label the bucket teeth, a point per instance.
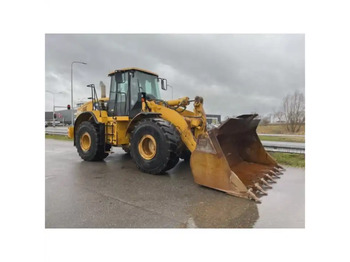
(277, 171)
(274, 174)
(259, 188)
(270, 178)
(265, 183)
(281, 168)
(253, 196)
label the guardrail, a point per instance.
(49, 132)
(63, 130)
(285, 147)
(284, 135)
(282, 149)
(270, 146)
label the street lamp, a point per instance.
(71, 84)
(53, 111)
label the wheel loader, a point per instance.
(157, 133)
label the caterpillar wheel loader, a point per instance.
(157, 133)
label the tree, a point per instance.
(294, 111)
(279, 116)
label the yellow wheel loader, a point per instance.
(157, 133)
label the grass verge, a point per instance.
(283, 138)
(289, 159)
(278, 129)
(58, 137)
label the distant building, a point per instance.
(277, 119)
(213, 119)
(62, 116)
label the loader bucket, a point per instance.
(232, 159)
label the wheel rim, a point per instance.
(85, 141)
(147, 147)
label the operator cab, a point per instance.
(127, 86)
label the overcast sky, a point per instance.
(235, 74)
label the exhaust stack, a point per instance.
(103, 89)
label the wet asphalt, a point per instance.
(115, 194)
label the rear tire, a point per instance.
(155, 145)
(87, 143)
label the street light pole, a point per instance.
(53, 112)
(71, 85)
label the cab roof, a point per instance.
(131, 69)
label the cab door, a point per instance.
(119, 99)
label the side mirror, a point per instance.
(164, 85)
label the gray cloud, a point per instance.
(234, 73)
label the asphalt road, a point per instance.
(115, 194)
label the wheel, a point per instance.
(155, 145)
(87, 143)
(126, 148)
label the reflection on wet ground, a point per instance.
(114, 193)
(223, 214)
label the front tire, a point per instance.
(155, 145)
(87, 143)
